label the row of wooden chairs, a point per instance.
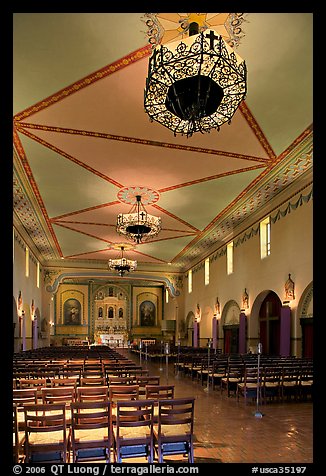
(92, 433)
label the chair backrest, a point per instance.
(37, 383)
(134, 413)
(64, 382)
(119, 380)
(91, 415)
(53, 395)
(92, 381)
(123, 392)
(24, 395)
(159, 392)
(92, 394)
(46, 419)
(177, 412)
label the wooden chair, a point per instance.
(64, 382)
(92, 394)
(218, 372)
(92, 381)
(143, 381)
(159, 392)
(173, 433)
(290, 382)
(18, 438)
(36, 383)
(91, 431)
(54, 395)
(234, 375)
(116, 380)
(271, 382)
(133, 432)
(248, 387)
(46, 439)
(19, 398)
(121, 392)
(306, 383)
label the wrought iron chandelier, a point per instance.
(138, 225)
(196, 84)
(122, 265)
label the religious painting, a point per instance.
(72, 312)
(147, 313)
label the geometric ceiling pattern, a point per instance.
(83, 142)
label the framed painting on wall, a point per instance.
(72, 312)
(147, 313)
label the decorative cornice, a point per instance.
(52, 288)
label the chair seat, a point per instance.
(133, 432)
(46, 438)
(173, 430)
(91, 435)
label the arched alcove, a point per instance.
(305, 313)
(189, 334)
(230, 321)
(265, 322)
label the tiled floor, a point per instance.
(227, 431)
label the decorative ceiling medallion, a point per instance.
(165, 27)
(128, 195)
(124, 245)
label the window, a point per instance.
(229, 258)
(206, 271)
(166, 295)
(265, 238)
(190, 281)
(26, 262)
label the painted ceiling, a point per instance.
(84, 146)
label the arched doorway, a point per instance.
(269, 324)
(231, 320)
(305, 308)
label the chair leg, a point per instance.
(160, 454)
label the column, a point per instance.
(214, 332)
(35, 341)
(196, 334)
(242, 333)
(24, 330)
(285, 331)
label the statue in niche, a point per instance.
(289, 289)
(120, 312)
(245, 300)
(217, 308)
(110, 313)
(198, 313)
(100, 312)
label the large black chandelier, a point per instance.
(196, 84)
(138, 225)
(122, 265)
